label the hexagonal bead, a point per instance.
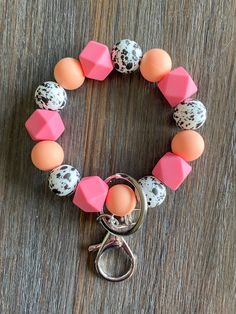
(45, 125)
(90, 194)
(171, 170)
(177, 86)
(96, 61)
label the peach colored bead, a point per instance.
(47, 155)
(188, 144)
(121, 200)
(155, 64)
(69, 74)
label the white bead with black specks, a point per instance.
(50, 96)
(126, 56)
(154, 190)
(190, 115)
(63, 180)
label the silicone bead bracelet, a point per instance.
(120, 201)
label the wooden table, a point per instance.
(186, 248)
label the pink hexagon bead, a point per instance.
(177, 86)
(90, 194)
(96, 61)
(171, 170)
(45, 125)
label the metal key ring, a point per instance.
(143, 203)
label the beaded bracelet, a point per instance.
(120, 201)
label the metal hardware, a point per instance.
(118, 227)
(140, 198)
(112, 241)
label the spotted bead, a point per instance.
(190, 114)
(126, 56)
(63, 180)
(154, 190)
(51, 96)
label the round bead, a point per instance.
(47, 155)
(63, 180)
(190, 114)
(155, 64)
(154, 191)
(126, 56)
(69, 74)
(121, 200)
(188, 144)
(51, 96)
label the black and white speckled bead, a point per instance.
(63, 180)
(190, 115)
(126, 56)
(154, 190)
(51, 96)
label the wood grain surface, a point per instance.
(187, 247)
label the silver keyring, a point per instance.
(143, 203)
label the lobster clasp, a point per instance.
(112, 241)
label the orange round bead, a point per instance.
(121, 200)
(69, 74)
(188, 144)
(47, 155)
(155, 64)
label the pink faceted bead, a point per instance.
(45, 125)
(177, 86)
(90, 194)
(96, 61)
(171, 170)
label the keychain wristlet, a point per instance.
(120, 201)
